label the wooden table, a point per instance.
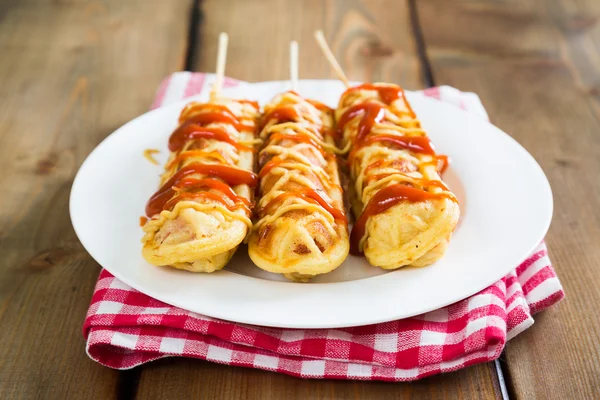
(73, 71)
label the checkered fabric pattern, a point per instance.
(125, 328)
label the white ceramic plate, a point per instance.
(506, 208)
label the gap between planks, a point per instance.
(426, 70)
(195, 19)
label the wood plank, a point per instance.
(535, 65)
(373, 41)
(70, 73)
(194, 379)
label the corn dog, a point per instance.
(301, 227)
(405, 213)
(202, 211)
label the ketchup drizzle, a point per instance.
(288, 113)
(191, 131)
(230, 175)
(311, 196)
(383, 200)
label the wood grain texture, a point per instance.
(373, 41)
(194, 379)
(70, 73)
(536, 66)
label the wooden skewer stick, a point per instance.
(294, 65)
(221, 61)
(331, 58)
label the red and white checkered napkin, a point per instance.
(125, 328)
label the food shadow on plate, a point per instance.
(353, 268)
